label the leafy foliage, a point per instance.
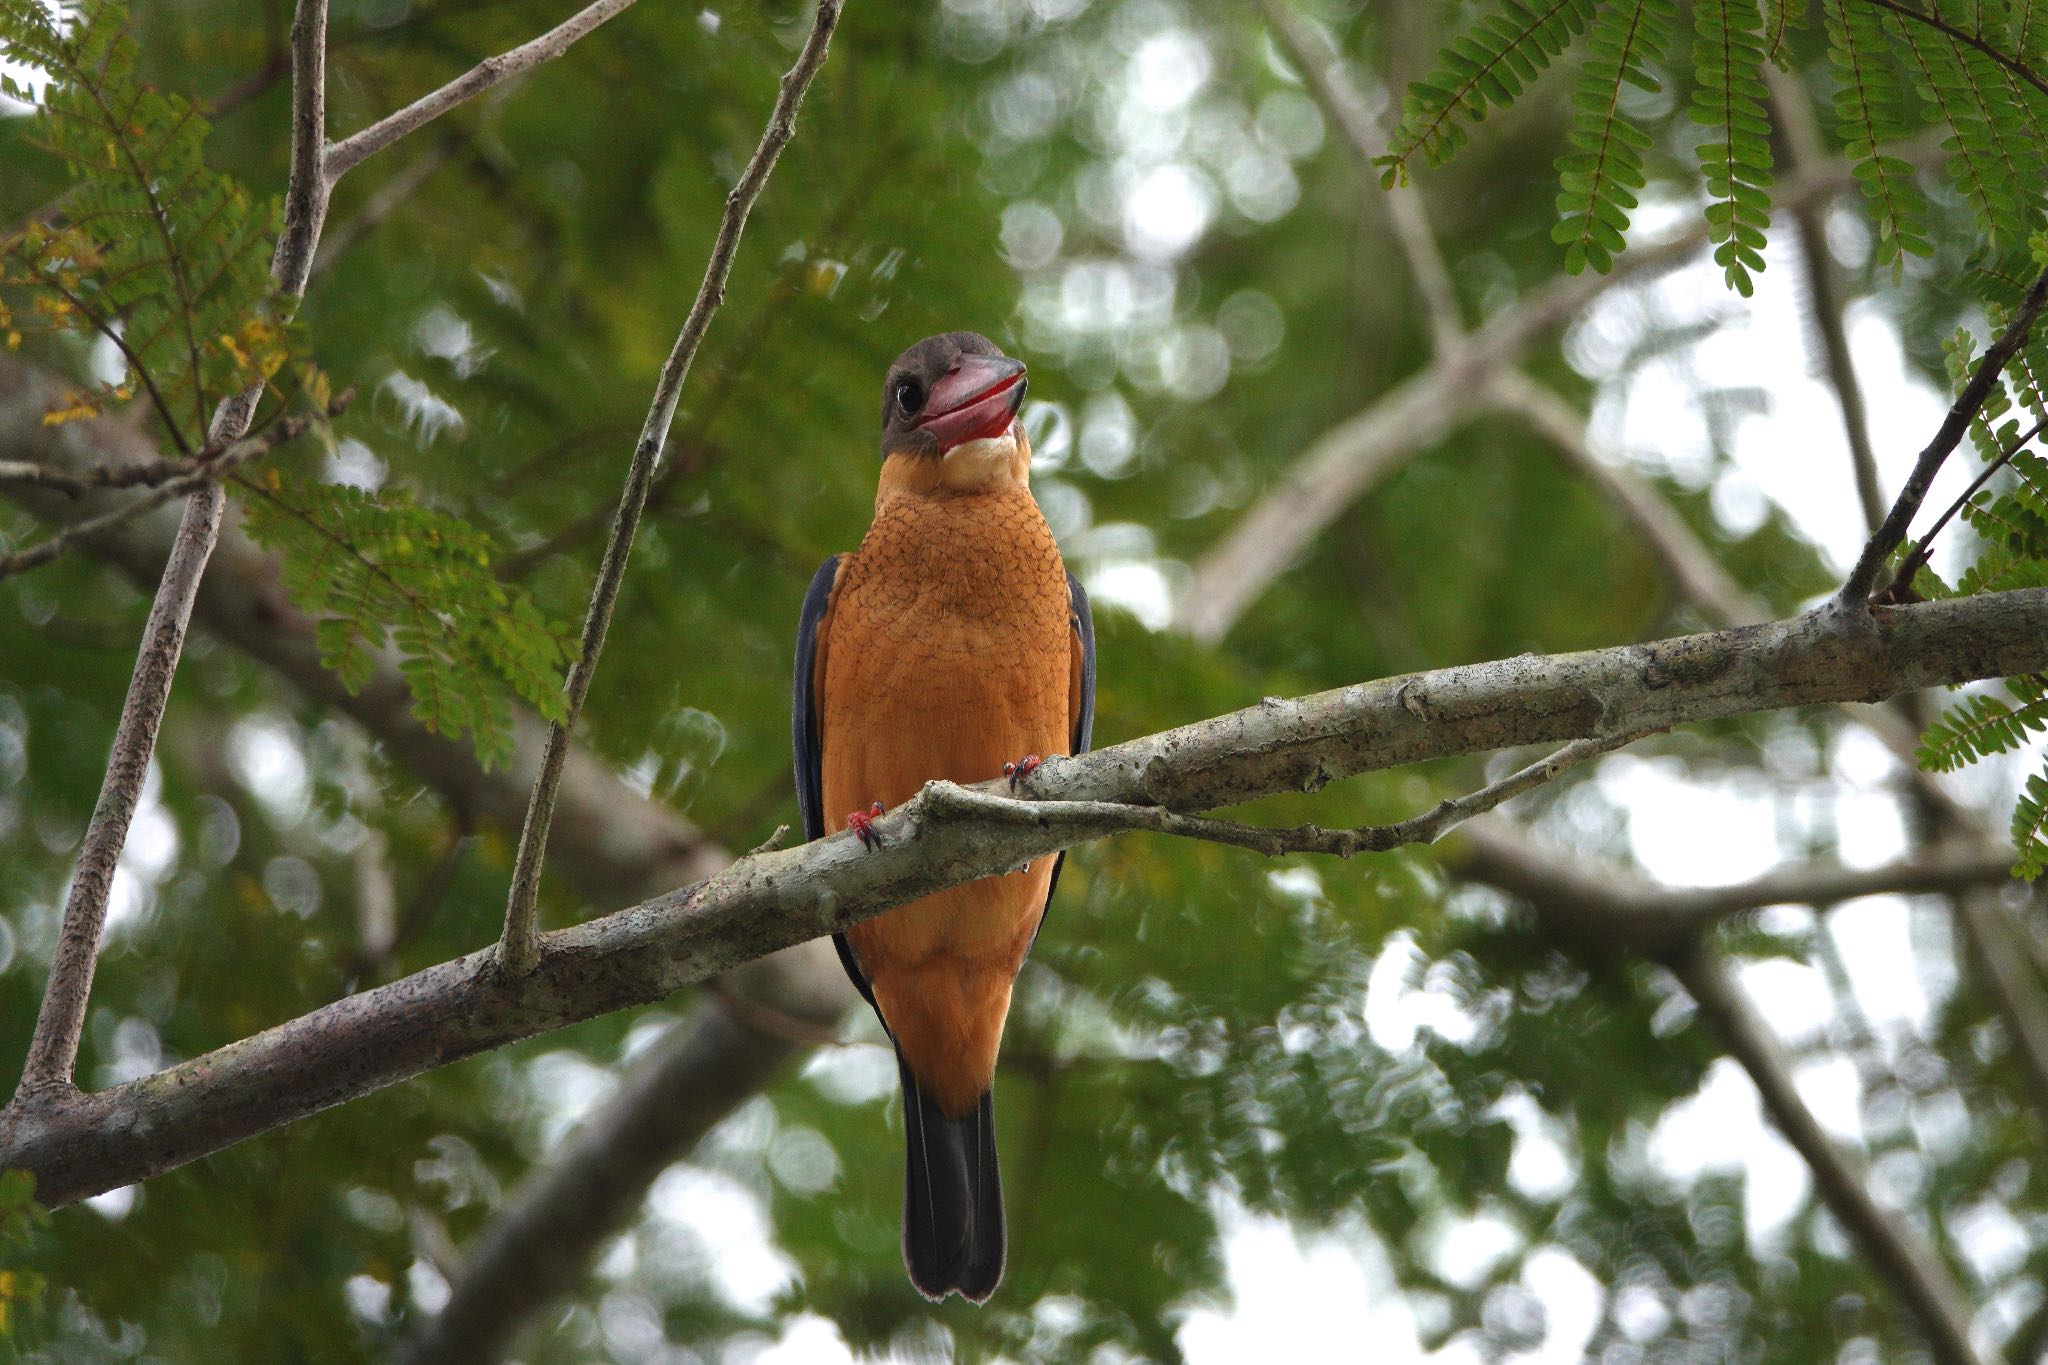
(1983, 726)
(1994, 144)
(1976, 69)
(161, 256)
(1728, 56)
(22, 1221)
(2010, 518)
(1599, 180)
(1868, 100)
(370, 567)
(1485, 68)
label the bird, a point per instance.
(952, 644)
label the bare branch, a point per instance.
(615, 846)
(1417, 413)
(1697, 575)
(381, 204)
(352, 150)
(1994, 942)
(1608, 906)
(122, 474)
(536, 1248)
(53, 1051)
(1323, 66)
(1929, 1291)
(194, 476)
(1804, 146)
(1892, 532)
(516, 948)
(1901, 588)
(78, 1145)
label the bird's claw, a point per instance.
(862, 823)
(1021, 770)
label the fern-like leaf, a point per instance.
(1780, 18)
(167, 259)
(1599, 178)
(1991, 156)
(1486, 68)
(369, 567)
(2029, 820)
(1978, 727)
(2027, 36)
(1728, 55)
(1867, 108)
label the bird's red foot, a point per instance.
(862, 823)
(1022, 769)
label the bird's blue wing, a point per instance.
(808, 737)
(1083, 622)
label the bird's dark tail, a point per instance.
(953, 1236)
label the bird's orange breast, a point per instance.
(948, 655)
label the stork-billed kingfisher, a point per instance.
(952, 644)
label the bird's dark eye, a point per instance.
(909, 395)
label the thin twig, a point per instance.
(1104, 817)
(1901, 587)
(53, 1051)
(113, 334)
(1889, 535)
(192, 477)
(352, 150)
(138, 474)
(517, 951)
(1930, 1293)
(1804, 147)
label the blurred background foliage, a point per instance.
(1141, 199)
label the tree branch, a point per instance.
(2000, 957)
(1697, 576)
(53, 1051)
(1322, 65)
(193, 476)
(537, 1247)
(1803, 146)
(516, 948)
(1892, 532)
(1929, 1291)
(1414, 415)
(345, 155)
(78, 1145)
(1606, 906)
(1923, 549)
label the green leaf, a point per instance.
(1868, 100)
(1599, 178)
(154, 251)
(1486, 68)
(375, 569)
(1728, 54)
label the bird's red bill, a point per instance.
(977, 398)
